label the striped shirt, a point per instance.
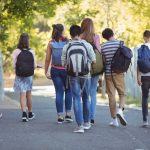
(108, 50)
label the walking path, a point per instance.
(44, 133)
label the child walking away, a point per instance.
(88, 34)
(77, 57)
(143, 74)
(24, 65)
(114, 80)
(58, 73)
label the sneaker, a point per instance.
(24, 117)
(114, 123)
(121, 117)
(92, 122)
(145, 124)
(60, 119)
(87, 126)
(68, 119)
(79, 129)
(1, 115)
(31, 115)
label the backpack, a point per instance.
(122, 59)
(78, 63)
(98, 67)
(144, 59)
(57, 48)
(25, 64)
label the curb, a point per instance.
(9, 103)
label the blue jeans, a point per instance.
(59, 77)
(93, 92)
(76, 85)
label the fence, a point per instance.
(1, 79)
(132, 88)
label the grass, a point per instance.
(130, 101)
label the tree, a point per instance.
(19, 16)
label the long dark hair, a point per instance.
(23, 41)
(57, 32)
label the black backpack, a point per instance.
(25, 63)
(122, 59)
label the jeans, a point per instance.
(77, 85)
(93, 91)
(59, 77)
(145, 94)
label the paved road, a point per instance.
(44, 133)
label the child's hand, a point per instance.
(48, 76)
(39, 66)
(139, 80)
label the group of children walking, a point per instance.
(70, 63)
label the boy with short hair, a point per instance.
(114, 81)
(79, 82)
(143, 79)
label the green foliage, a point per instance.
(29, 16)
(128, 18)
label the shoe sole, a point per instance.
(60, 122)
(32, 118)
(122, 121)
(25, 120)
(145, 126)
(113, 125)
(68, 120)
(87, 128)
(78, 131)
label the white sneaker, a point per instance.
(114, 123)
(145, 124)
(1, 115)
(87, 126)
(121, 117)
(79, 129)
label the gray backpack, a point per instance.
(78, 63)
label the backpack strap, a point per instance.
(121, 43)
(25, 49)
(84, 84)
(70, 44)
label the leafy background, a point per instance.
(128, 18)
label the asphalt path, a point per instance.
(43, 133)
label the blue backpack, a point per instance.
(57, 48)
(144, 59)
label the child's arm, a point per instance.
(48, 59)
(14, 57)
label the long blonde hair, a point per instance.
(87, 30)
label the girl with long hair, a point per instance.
(23, 83)
(58, 73)
(88, 34)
